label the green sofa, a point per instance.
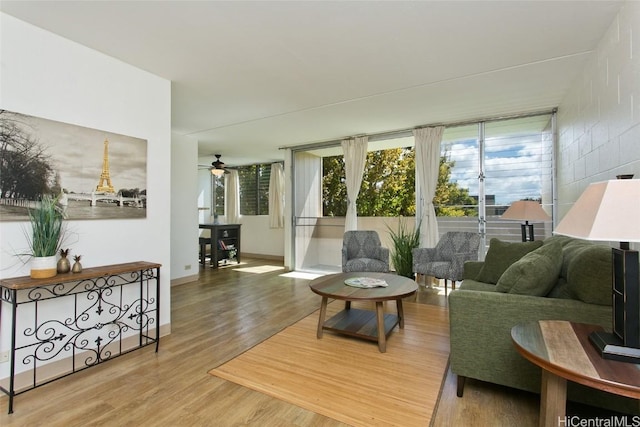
(558, 278)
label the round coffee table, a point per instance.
(367, 324)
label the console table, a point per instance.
(72, 321)
(224, 237)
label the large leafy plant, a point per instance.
(404, 241)
(47, 223)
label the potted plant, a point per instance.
(47, 230)
(404, 241)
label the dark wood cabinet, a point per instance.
(224, 241)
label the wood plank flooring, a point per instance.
(349, 379)
(214, 319)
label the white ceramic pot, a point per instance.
(43, 267)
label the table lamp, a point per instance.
(526, 210)
(609, 211)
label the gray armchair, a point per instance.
(446, 260)
(362, 251)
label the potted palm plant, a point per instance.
(404, 241)
(47, 230)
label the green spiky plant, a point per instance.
(47, 223)
(404, 241)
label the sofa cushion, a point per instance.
(570, 252)
(473, 285)
(561, 290)
(501, 255)
(589, 274)
(535, 273)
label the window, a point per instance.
(512, 162)
(387, 189)
(217, 195)
(518, 159)
(254, 189)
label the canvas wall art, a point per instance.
(95, 174)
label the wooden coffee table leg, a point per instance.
(323, 313)
(382, 338)
(553, 399)
(400, 313)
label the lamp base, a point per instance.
(611, 347)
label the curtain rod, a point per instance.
(401, 133)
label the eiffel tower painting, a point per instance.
(118, 191)
(104, 176)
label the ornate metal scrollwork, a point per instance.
(92, 320)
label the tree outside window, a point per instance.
(388, 186)
(254, 189)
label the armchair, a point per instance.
(362, 251)
(446, 260)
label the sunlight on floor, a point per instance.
(259, 269)
(436, 290)
(302, 275)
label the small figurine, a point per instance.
(77, 267)
(63, 266)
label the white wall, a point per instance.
(599, 121)
(47, 76)
(259, 238)
(184, 212)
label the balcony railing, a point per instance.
(319, 239)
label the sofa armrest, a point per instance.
(472, 269)
(480, 333)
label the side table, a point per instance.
(563, 351)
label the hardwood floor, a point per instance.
(214, 319)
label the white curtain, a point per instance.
(232, 187)
(355, 156)
(276, 196)
(427, 142)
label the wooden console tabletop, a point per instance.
(26, 282)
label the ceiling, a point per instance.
(251, 77)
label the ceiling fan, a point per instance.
(218, 168)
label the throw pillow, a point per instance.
(589, 275)
(561, 290)
(570, 252)
(535, 273)
(501, 255)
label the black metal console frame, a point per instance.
(107, 303)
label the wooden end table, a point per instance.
(563, 351)
(367, 324)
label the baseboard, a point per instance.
(278, 258)
(185, 279)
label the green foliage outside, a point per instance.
(388, 187)
(450, 199)
(254, 189)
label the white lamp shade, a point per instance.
(526, 210)
(606, 211)
(217, 172)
